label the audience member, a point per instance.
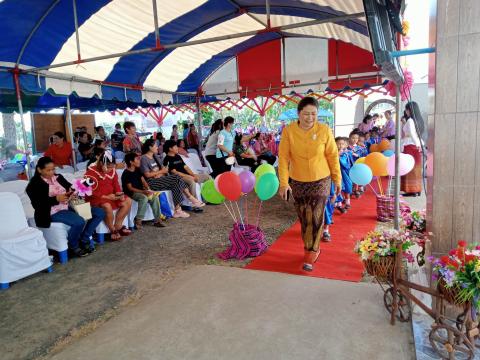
(131, 143)
(60, 151)
(117, 138)
(135, 186)
(107, 194)
(50, 194)
(211, 148)
(85, 147)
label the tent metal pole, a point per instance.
(155, 21)
(20, 110)
(267, 10)
(284, 57)
(199, 121)
(397, 160)
(77, 36)
(333, 19)
(70, 131)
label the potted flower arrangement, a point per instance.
(458, 274)
(415, 220)
(378, 248)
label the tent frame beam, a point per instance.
(333, 19)
(242, 10)
(77, 36)
(155, 21)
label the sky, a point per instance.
(417, 13)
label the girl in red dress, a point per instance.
(107, 194)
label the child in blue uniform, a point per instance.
(345, 165)
(374, 138)
(328, 217)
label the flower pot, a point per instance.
(449, 293)
(382, 268)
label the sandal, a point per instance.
(138, 223)
(115, 236)
(159, 224)
(124, 231)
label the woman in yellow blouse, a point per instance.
(308, 163)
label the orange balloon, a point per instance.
(360, 160)
(384, 145)
(377, 162)
(374, 148)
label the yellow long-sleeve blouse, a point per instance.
(308, 155)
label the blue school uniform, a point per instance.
(345, 165)
(362, 151)
(330, 207)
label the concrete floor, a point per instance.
(213, 312)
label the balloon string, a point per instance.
(373, 189)
(241, 219)
(246, 209)
(233, 211)
(229, 211)
(258, 215)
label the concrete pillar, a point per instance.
(453, 200)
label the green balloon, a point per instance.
(264, 169)
(267, 186)
(210, 194)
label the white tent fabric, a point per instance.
(23, 250)
(117, 27)
(223, 80)
(182, 61)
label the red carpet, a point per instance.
(337, 259)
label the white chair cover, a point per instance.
(18, 188)
(67, 169)
(23, 250)
(102, 228)
(82, 166)
(56, 236)
(194, 163)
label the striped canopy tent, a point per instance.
(177, 52)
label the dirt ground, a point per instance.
(43, 312)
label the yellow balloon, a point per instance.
(360, 160)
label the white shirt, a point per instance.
(410, 136)
(211, 146)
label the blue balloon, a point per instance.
(361, 174)
(388, 153)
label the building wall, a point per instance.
(454, 129)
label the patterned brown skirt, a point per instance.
(310, 199)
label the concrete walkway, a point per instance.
(213, 312)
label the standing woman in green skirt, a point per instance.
(308, 163)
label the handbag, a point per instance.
(82, 208)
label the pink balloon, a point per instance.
(247, 180)
(407, 163)
(216, 181)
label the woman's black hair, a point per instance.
(238, 139)
(416, 115)
(217, 125)
(127, 125)
(130, 158)
(168, 145)
(307, 100)
(42, 163)
(228, 120)
(159, 136)
(179, 141)
(366, 118)
(147, 145)
(98, 142)
(59, 134)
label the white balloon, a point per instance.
(407, 163)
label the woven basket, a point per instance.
(449, 293)
(382, 268)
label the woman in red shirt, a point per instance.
(60, 151)
(107, 194)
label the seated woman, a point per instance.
(49, 194)
(159, 180)
(135, 186)
(243, 155)
(263, 151)
(182, 149)
(60, 151)
(106, 193)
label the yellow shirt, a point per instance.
(308, 155)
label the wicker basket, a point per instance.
(449, 293)
(382, 268)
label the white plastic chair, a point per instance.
(23, 250)
(67, 169)
(194, 163)
(18, 188)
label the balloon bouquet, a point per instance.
(380, 162)
(246, 240)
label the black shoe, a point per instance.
(414, 194)
(90, 249)
(197, 210)
(326, 236)
(78, 252)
